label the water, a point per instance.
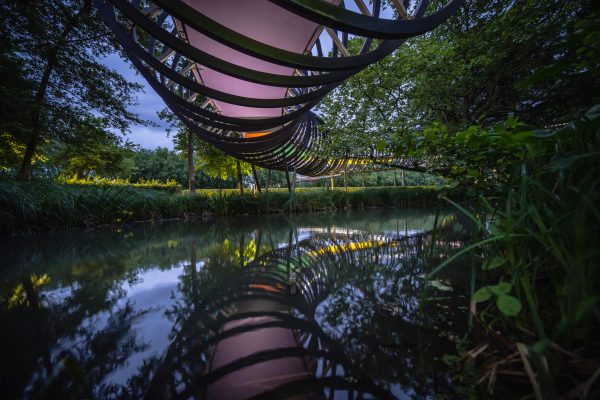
(323, 306)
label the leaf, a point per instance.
(380, 146)
(494, 263)
(474, 173)
(440, 285)
(450, 359)
(500, 288)
(593, 113)
(509, 305)
(544, 134)
(471, 192)
(483, 294)
(521, 136)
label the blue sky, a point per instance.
(149, 103)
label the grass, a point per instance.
(170, 186)
(535, 301)
(38, 206)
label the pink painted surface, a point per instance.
(262, 21)
(260, 377)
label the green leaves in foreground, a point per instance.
(507, 304)
(483, 294)
(494, 263)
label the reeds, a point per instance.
(36, 206)
(537, 256)
(170, 185)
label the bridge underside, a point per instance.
(243, 75)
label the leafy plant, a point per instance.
(537, 245)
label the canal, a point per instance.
(306, 306)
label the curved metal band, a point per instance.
(158, 66)
(295, 139)
(210, 118)
(254, 48)
(334, 17)
(225, 67)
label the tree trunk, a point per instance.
(287, 177)
(242, 247)
(190, 160)
(194, 274)
(256, 180)
(33, 299)
(239, 176)
(258, 244)
(268, 181)
(24, 173)
(332, 185)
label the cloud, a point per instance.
(149, 137)
(149, 103)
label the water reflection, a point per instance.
(309, 307)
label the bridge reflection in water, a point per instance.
(294, 309)
(260, 338)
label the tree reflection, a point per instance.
(319, 309)
(350, 303)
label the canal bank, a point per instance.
(43, 206)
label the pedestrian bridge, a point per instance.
(243, 75)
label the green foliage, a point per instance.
(209, 159)
(11, 154)
(92, 151)
(479, 156)
(483, 294)
(470, 73)
(51, 71)
(170, 186)
(26, 207)
(217, 164)
(16, 97)
(539, 241)
(161, 163)
(379, 178)
(508, 305)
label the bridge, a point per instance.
(243, 75)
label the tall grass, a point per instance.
(537, 306)
(170, 186)
(35, 206)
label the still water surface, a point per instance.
(316, 306)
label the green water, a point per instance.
(139, 311)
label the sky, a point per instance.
(149, 103)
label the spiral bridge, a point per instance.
(243, 75)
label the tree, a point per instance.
(474, 70)
(93, 151)
(209, 159)
(217, 164)
(184, 142)
(55, 46)
(161, 163)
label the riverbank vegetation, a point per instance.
(40, 206)
(533, 259)
(501, 102)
